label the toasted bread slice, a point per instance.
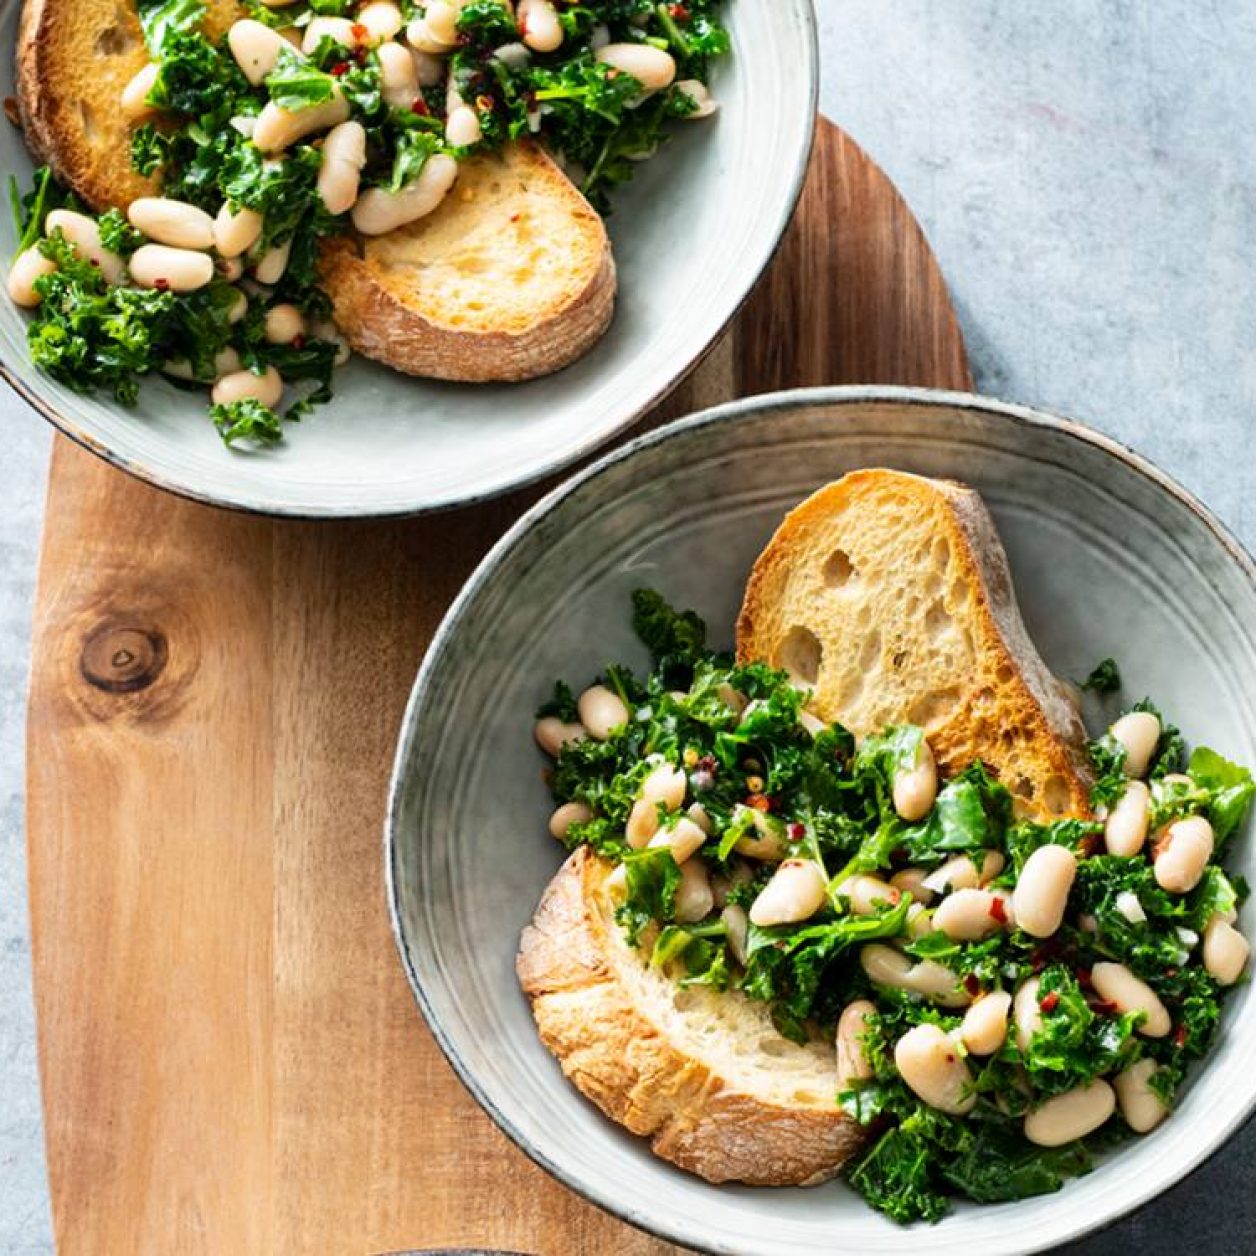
(511, 278)
(705, 1076)
(74, 57)
(889, 594)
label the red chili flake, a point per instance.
(514, 217)
(679, 12)
(1049, 1002)
(298, 341)
(1084, 979)
(1170, 972)
(484, 104)
(419, 105)
(1090, 845)
(1102, 1007)
(161, 284)
(522, 25)
(707, 763)
(971, 984)
(758, 802)
(359, 32)
(1179, 1037)
(796, 832)
(997, 910)
(341, 67)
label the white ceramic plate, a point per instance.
(1109, 558)
(691, 235)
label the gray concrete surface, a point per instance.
(1085, 173)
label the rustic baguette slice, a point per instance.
(705, 1076)
(889, 594)
(74, 57)
(511, 278)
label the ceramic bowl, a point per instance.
(691, 234)
(1109, 558)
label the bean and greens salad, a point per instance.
(1005, 997)
(306, 119)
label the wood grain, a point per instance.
(231, 1059)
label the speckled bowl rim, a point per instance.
(746, 409)
(19, 376)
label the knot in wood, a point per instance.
(120, 658)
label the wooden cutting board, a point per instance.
(231, 1058)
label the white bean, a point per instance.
(256, 48)
(29, 265)
(1226, 951)
(919, 921)
(601, 711)
(83, 233)
(653, 68)
(441, 22)
(539, 25)
(890, 967)
(516, 56)
(399, 76)
(698, 814)
(568, 814)
(930, 1063)
(968, 915)
(1117, 985)
(1071, 1115)
(236, 230)
(768, 843)
(912, 881)
(736, 929)
(1141, 1107)
(135, 104)
(1131, 907)
(270, 266)
(344, 155)
(852, 1060)
(984, 1029)
(699, 93)
(682, 838)
(325, 329)
(916, 788)
(232, 269)
(795, 892)
(378, 211)
(1042, 890)
(173, 270)
(172, 222)
(867, 894)
(225, 362)
(421, 39)
(283, 323)
(1125, 829)
(552, 734)
(694, 900)
(462, 127)
(643, 823)
(277, 128)
(1027, 1012)
(338, 28)
(382, 20)
(429, 68)
(665, 784)
(244, 385)
(961, 873)
(1138, 732)
(1182, 854)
